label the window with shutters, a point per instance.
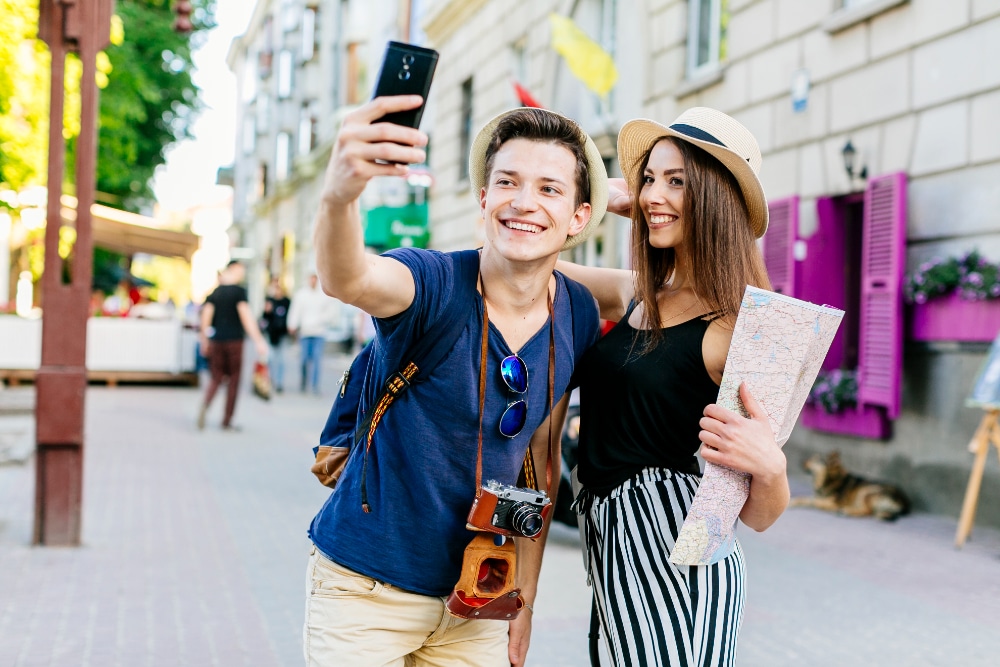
(853, 261)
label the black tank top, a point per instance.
(641, 410)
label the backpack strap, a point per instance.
(427, 351)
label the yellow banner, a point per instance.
(586, 59)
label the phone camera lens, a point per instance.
(408, 59)
(404, 75)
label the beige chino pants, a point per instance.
(356, 621)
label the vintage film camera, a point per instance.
(510, 510)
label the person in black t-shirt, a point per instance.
(225, 319)
(275, 325)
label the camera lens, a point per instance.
(408, 59)
(404, 75)
(526, 520)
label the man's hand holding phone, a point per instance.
(381, 138)
(366, 148)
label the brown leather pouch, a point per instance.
(503, 608)
(486, 588)
(329, 465)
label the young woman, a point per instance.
(648, 388)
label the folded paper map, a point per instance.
(778, 346)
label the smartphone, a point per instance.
(406, 70)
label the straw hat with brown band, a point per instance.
(714, 132)
(595, 166)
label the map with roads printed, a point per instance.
(778, 347)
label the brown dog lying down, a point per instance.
(837, 490)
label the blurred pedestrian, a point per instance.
(310, 315)
(275, 325)
(225, 320)
(648, 387)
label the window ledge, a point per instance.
(699, 82)
(847, 17)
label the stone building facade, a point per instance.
(909, 84)
(300, 66)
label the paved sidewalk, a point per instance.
(194, 554)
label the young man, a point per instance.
(309, 316)
(378, 579)
(225, 319)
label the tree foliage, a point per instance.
(24, 96)
(147, 102)
(150, 101)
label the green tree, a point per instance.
(24, 101)
(150, 101)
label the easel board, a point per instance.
(986, 435)
(986, 392)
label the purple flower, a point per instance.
(921, 298)
(975, 278)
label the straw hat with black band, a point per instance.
(714, 132)
(595, 167)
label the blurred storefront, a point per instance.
(152, 344)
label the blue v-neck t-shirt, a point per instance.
(421, 477)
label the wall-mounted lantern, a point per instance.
(850, 154)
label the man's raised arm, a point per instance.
(364, 149)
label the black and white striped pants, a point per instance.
(654, 612)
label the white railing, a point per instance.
(113, 344)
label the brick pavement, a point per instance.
(194, 552)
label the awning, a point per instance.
(130, 233)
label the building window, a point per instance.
(260, 187)
(310, 35)
(249, 87)
(282, 147)
(289, 15)
(263, 114)
(609, 27)
(249, 134)
(307, 128)
(853, 261)
(852, 12)
(706, 36)
(266, 56)
(519, 61)
(285, 63)
(465, 130)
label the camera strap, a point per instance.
(528, 467)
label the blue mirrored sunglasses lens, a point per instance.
(513, 418)
(514, 373)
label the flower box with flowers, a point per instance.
(957, 299)
(832, 407)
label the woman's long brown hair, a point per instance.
(720, 248)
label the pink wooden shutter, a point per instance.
(779, 241)
(880, 354)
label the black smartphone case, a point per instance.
(406, 70)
